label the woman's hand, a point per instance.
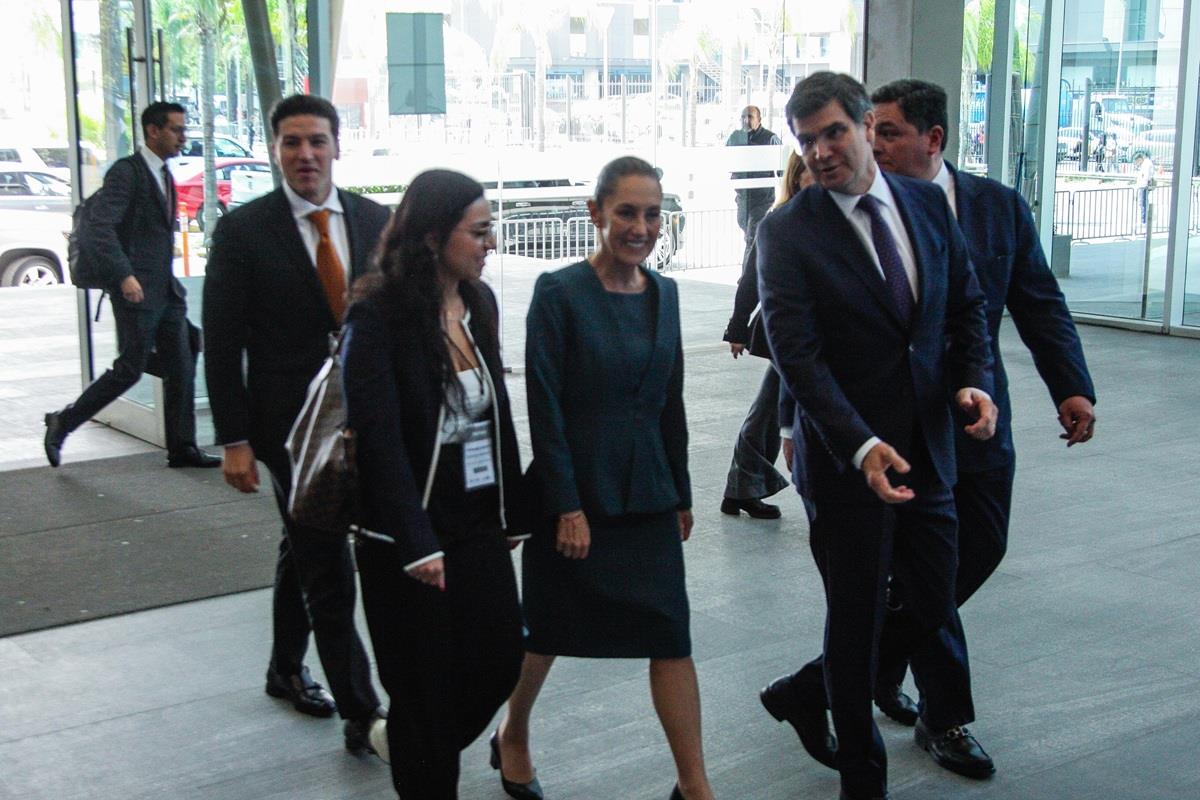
(574, 535)
(431, 573)
(685, 524)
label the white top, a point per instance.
(309, 234)
(473, 406)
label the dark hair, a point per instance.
(922, 103)
(156, 114)
(433, 204)
(820, 89)
(297, 104)
(619, 168)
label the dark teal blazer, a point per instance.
(604, 440)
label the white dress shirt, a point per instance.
(945, 182)
(156, 165)
(301, 208)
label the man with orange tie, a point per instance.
(275, 288)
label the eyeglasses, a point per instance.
(830, 135)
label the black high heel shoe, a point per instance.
(676, 794)
(519, 791)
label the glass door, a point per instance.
(108, 81)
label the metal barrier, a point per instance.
(1116, 212)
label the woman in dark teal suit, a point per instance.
(603, 577)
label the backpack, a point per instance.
(85, 272)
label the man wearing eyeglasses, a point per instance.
(871, 309)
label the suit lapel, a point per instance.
(164, 212)
(922, 242)
(291, 246)
(854, 255)
(353, 235)
(658, 370)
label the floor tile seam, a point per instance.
(153, 514)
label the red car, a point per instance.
(191, 190)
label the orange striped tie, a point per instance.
(329, 267)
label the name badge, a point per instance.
(479, 468)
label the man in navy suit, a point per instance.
(910, 135)
(871, 309)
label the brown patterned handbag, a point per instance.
(325, 490)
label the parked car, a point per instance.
(1159, 144)
(25, 157)
(191, 158)
(33, 247)
(191, 190)
(1070, 142)
(556, 224)
(29, 190)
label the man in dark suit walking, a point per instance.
(910, 135)
(129, 234)
(276, 287)
(871, 309)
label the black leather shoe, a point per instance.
(305, 694)
(755, 508)
(192, 456)
(357, 733)
(844, 795)
(676, 794)
(892, 701)
(807, 718)
(520, 791)
(956, 750)
(56, 434)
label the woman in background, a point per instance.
(439, 472)
(752, 474)
(603, 576)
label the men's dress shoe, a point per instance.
(56, 434)
(193, 456)
(305, 694)
(892, 701)
(676, 794)
(844, 795)
(809, 720)
(956, 750)
(755, 508)
(357, 734)
(520, 791)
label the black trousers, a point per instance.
(752, 473)
(315, 591)
(448, 660)
(857, 547)
(983, 501)
(141, 328)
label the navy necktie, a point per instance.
(889, 259)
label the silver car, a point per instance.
(33, 247)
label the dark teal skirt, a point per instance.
(627, 599)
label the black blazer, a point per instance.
(843, 354)
(263, 302)
(128, 231)
(598, 444)
(392, 404)
(1013, 272)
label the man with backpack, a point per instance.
(124, 243)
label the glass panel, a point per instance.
(1116, 141)
(540, 94)
(1191, 278)
(104, 105)
(978, 37)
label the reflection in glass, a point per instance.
(1116, 120)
